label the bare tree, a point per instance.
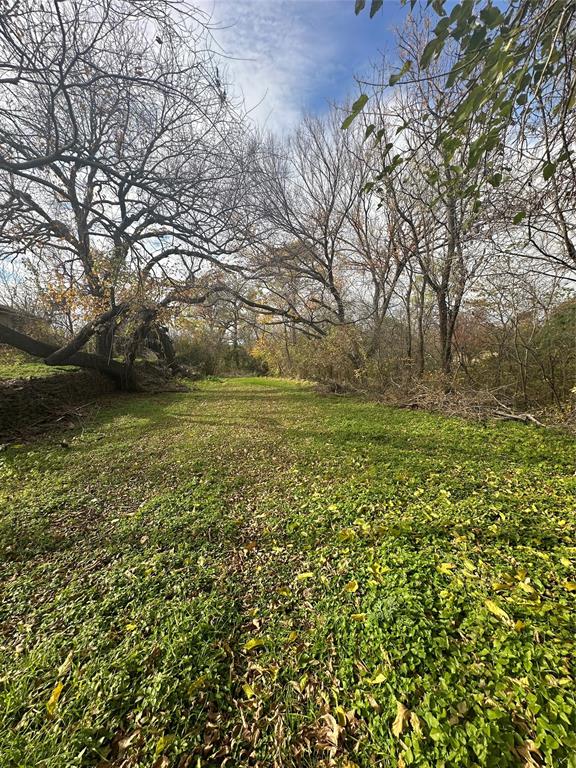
(157, 187)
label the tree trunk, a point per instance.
(445, 327)
(47, 352)
(420, 325)
(105, 342)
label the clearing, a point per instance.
(251, 574)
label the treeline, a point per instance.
(156, 215)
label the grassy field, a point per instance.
(251, 574)
(18, 365)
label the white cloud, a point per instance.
(277, 54)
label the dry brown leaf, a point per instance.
(328, 733)
(402, 717)
(526, 752)
(415, 723)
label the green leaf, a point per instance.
(375, 7)
(431, 50)
(495, 179)
(357, 107)
(548, 170)
(438, 6)
(399, 75)
(519, 217)
(491, 16)
(360, 5)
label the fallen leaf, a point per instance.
(402, 717)
(249, 692)
(569, 585)
(330, 733)
(380, 678)
(52, 702)
(415, 723)
(497, 611)
(352, 586)
(527, 588)
(255, 642)
(341, 716)
(163, 743)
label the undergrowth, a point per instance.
(250, 574)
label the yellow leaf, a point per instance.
(359, 616)
(303, 682)
(341, 716)
(198, 683)
(497, 611)
(498, 586)
(284, 591)
(519, 625)
(527, 588)
(379, 678)
(163, 743)
(352, 586)
(52, 702)
(569, 585)
(292, 636)
(249, 692)
(446, 567)
(415, 723)
(565, 561)
(305, 575)
(402, 717)
(130, 627)
(255, 642)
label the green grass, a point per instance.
(18, 365)
(251, 574)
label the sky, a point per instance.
(287, 57)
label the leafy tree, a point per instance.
(505, 58)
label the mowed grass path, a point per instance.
(251, 574)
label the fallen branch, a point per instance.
(525, 418)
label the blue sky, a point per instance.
(290, 56)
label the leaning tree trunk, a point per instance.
(53, 355)
(105, 341)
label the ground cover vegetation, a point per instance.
(14, 365)
(248, 572)
(254, 574)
